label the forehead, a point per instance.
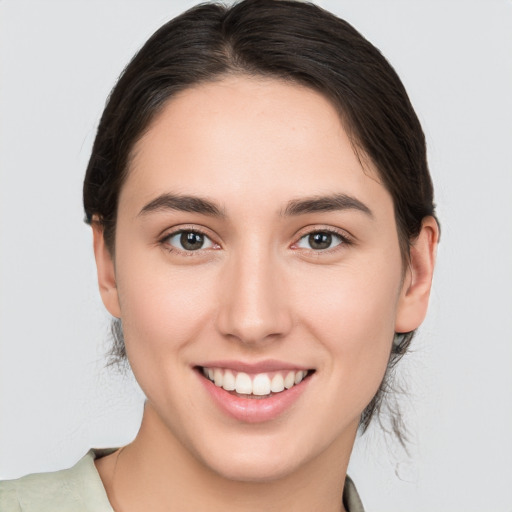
(248, 136)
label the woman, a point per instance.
(264, 233)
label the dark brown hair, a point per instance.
(288, 40)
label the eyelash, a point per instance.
(345, 240)
(165, 241)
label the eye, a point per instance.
(188, 240)
(320, 240)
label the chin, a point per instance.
(264, 458)
(254, 469)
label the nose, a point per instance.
(254, 304)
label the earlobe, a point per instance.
(106, 271)
(415, 293)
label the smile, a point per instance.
(254, 393)
(257, 385)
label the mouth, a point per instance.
(257, 392)
(261, 385)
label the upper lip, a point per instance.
(268, 365)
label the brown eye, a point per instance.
(189, 241)
(320, 241)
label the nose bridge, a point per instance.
(253, 306)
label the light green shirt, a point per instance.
(80, 489)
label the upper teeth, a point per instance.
(260, 384)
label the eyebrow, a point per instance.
(334, 202)
(295, 207)
(182, 203)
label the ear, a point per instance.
(415, 293)
(106, 271)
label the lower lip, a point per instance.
(254, 410)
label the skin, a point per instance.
(258, 291)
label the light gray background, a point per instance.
(58, 63)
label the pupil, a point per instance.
(320, 240)
(191, 241)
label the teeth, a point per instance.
(218, 377)
(277, 384)
(229, 381)
(289, 380)
(260, 385)
(243, 384)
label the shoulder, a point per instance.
(78, 488)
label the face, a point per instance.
(258, 276)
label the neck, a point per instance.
(156, 472)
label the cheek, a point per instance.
(353, 301)
(353, 317)
(163, 308)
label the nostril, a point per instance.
(254, 309)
